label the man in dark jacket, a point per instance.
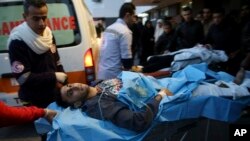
(188, 33)
(245, 63)
(225, 35)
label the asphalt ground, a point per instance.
(24, 132)
(201, 129)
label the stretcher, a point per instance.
(73, 124)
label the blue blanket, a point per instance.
(71, 125)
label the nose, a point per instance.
(42, 22)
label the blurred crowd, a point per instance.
(213, 28)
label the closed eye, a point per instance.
(69, 92)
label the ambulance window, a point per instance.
(10, 16)
(63, 22)
(61, 19)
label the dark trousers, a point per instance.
(156, 63)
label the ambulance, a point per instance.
(74, 31)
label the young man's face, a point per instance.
(74, 92)
(206, 13)
(131, 18)
(148, 24)
(167, 28)
(245, 11)
(36, 18)
(187, 15)
(217, 18)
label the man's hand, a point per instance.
(49, 115)
(239, 76)
(136, 68)
(162, 93)
(165, 91)
(61, 77)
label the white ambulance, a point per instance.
(74, 31)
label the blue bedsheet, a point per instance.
(71, 125)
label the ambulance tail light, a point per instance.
(89, 66)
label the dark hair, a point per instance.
(148, 22)
(219, 11)
(167, 18)
(245, 7)
(35, 3)
(59, 100)
(167, 23)
(187, 9)
(126, 8)
(136, 17)
(206, 7)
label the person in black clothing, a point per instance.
(34, 58)
(244, 15)
(222, 34)
(101, 102)
(207, 19)
(147, 41)
(245, 63)
(165, 38)
(244, 66)
(225, 35)
(136, 29)
(99, 29)
(188, 33)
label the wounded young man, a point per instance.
(101, 102)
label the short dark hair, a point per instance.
(219, 10)
(167, 23)
(35, 3)
(186, 8)
(59, 100)
(126, 8)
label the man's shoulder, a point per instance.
(119, 27)
(17, 44)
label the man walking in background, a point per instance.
(115, 52)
